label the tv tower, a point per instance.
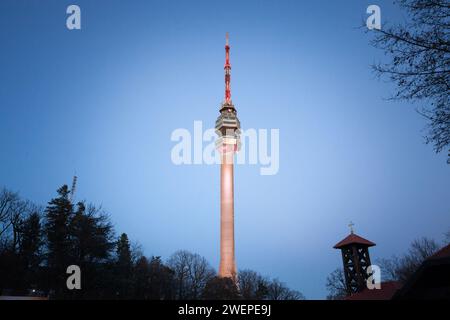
(228, 143)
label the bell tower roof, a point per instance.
(353, 238)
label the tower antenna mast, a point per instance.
(227, 68)
(74, 187)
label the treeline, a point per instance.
(37, 245)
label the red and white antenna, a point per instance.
(227, 71)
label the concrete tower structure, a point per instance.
(227, 143)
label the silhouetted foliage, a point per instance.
(420, 62)
(20, 243)
(447, 237)
(10, 207)
(278, 290)
(402, 267)
(91, 236)
(30, 250)
(336, 285)
(220, 289)
(141, 276)
(58, 213)
(161, 280)
(152, 280)
(252, 285)
(124, 267)
(192, 272)
(37, 246)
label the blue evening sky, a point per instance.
(103, 102)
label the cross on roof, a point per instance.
(351, 224)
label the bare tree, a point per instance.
(447, 238)
(192, 272)
(252, 285)
(18, 213)
(401, 268)
(13, 211)
(137, 252)
(336, 285)
(179, 262)
(200, 273)
(389, 268)
(420, 63)
(279, 291)
(294, 295)
(8, 200)
(276, 290)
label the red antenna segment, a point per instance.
(227, 71)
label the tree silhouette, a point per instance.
(161, 280)
(30, 250)
(402, 267)
(252, 285)
(91, 236)
(152, 279)
(192, 272)
(58, 213)
(335, 284)
(420, 63)
(219, 288)
(278, 290)
(124, 266)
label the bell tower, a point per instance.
(356, 260)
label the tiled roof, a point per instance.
(351, 239)
(386, 292)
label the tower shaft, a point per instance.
(227, 266)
